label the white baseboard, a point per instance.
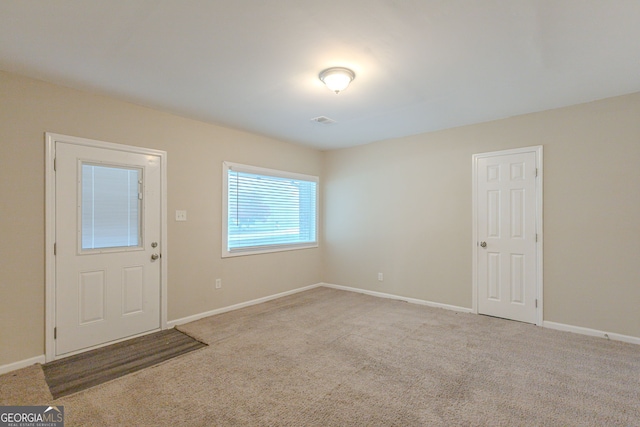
(397, 297)
(193, 318)
(21, 364)
(590, 332)
(546, 324)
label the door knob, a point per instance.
(154, 257)
(483, 244)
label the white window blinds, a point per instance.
(110, 206)
(268, 210)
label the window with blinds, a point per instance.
(111, 206)
(267, 210)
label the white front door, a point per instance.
(506, 234)
(108, 245)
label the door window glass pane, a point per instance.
(111, 206)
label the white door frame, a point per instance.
(50, 228)
(539, 260)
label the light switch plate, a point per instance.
(181, 215)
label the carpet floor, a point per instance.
(88, 369)
(326, 357)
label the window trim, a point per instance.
(226, 166)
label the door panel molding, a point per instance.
(538, 151)
(50, 228)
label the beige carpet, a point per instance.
(333, 358)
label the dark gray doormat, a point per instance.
(79, 372)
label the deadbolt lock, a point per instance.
(154, 244)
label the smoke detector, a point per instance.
(323, 120)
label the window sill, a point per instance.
(267, 250)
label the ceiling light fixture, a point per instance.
(337, 79)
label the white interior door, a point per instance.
(108, 243)
(506, 234)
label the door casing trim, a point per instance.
(539, 245)
(50, 228)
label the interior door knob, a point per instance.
(483, 244)
(154, 257)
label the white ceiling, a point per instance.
(420, 65)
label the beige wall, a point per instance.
(403, 207)
(28, 108)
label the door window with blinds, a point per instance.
(110, 207)
(266, 210)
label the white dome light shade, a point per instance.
(337, 79)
